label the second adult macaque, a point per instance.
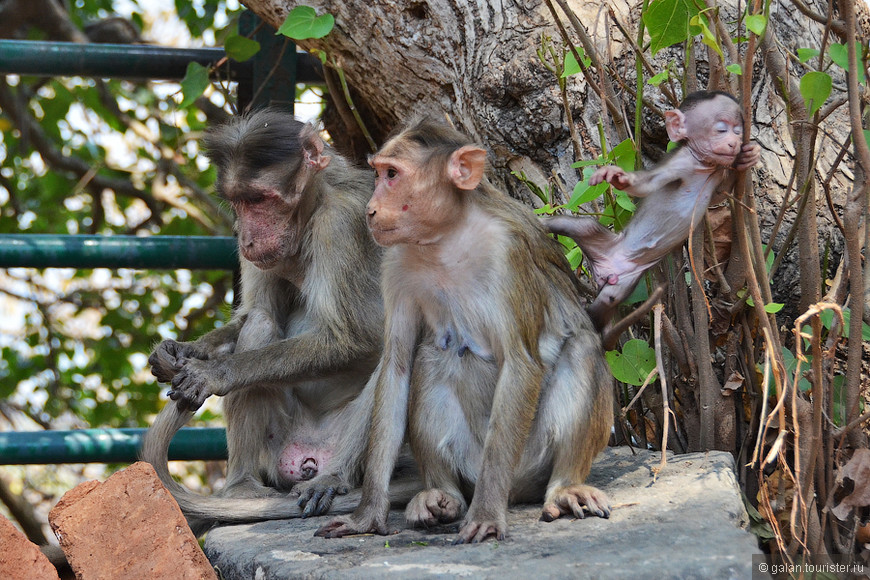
(292, 363)
(709, 128)
(491, 367)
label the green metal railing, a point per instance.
(153, 252)
(105, 445)
(131, 61)
(259, 80)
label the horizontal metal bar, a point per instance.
(153, 252)
(127, 61)
(105, 446)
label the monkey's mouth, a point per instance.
(382, 235)
(262, 261)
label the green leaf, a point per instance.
(303, 23)
(659, 78)
(240, 48)
(707, 36)
(634, 363)
(575, 257)
(839, 53)
(194, 84)
(773, 307)
(623, 201)
(805, 54)
(667, 22)
(623, 155)
(815, 87)
(792, 365)
(583, 193)
(756, 23)
(734, 69)
(571, 67)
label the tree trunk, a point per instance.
(472, 62)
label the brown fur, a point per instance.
(490, 365)
(292, 363)
(709, 126)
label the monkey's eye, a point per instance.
(392, 173)
(721, 127)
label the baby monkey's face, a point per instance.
(714, 131)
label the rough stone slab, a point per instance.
(21, 559)
(127, 527)
(686, 524)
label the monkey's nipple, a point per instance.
(308, 469)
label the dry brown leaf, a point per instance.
(857, 472)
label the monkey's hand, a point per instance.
(170, 357)
(195, 382)
(749, 155)
(615, 176)
(316, 495)
(571, 499)
(479, 526)
(353, 524)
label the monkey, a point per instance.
(708, 126)
(490, 366)
(292, 363)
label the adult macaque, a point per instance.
(292, 362)
(490, 366)
(709, 128)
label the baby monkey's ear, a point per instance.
(675, 123)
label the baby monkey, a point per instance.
(709, 129)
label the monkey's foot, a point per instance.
(571, 499)
(434, 506)
(349, 526)
(315, 496)
(474, 531)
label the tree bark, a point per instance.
(472, 62)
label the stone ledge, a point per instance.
(689, 523)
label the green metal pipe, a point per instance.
(105, 446)
(129, 61)
(153, 252)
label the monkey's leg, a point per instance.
(441, 439)
(257, 420)
(578, 431)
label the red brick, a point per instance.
(20, 559)
(127, 527)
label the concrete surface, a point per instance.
(688, 523)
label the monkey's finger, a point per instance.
(304, 497)
(576, 508)
(319, 502)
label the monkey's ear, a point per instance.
(312, 148)
(675, 123)
(466, 167)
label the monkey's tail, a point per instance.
(205, 512)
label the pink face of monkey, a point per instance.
(712, 129)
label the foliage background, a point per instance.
(91, 156)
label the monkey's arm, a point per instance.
(645, 182)
(388, 425)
